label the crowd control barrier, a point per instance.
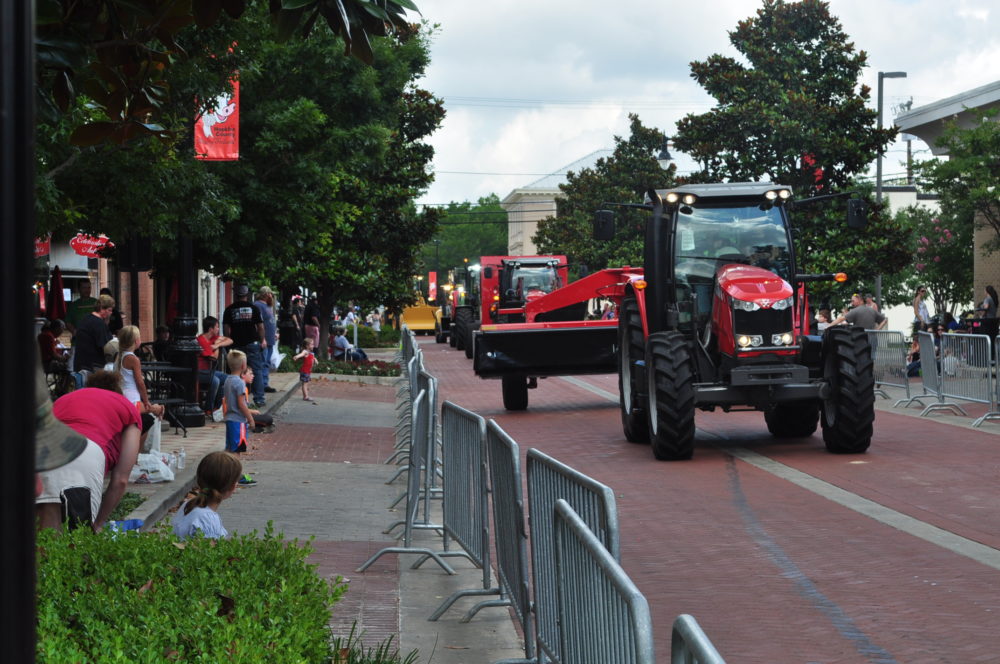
(931, 378)
(548, 481)
(418, 455)
(604, 616)
(964, 367)
(889, 356)
(511, 537)
(994, 412)
(689, 645)
(465, 507)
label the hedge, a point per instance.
(147, 597)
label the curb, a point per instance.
(154, 508)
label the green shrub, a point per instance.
(146, 597)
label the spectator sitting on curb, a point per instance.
(262, 422)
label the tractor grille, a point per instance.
(763, 321)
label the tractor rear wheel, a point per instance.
(630, 350)
(793, 420)
(515, 392)
(849, 409)
(670, 396)
(463, 320)
(470, 340)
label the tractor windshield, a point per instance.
(534, 277)
(708, 237)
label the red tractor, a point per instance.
(504, 286)
(719, 318)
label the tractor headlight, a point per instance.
(743, 305)
(749, 340)
(781, 305)
(783, 339)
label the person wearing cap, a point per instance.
(861, 316)
(870, 302)
(242, 322)
(265, 304)
(109, 426)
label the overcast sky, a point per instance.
(532, 86)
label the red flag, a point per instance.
(432, 286)
(217, 133)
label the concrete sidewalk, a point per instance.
(321, 475)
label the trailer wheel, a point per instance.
(470, 340)
(670, 395)
(630, 349)
(793, 420)
(849, 409)
(515, 392)
(463, 320)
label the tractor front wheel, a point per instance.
(670, 396)
(793, 420)
(515, 392)
(849, 409)
(630, 350)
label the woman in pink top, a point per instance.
(112, 427)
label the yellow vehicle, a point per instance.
(421, 317)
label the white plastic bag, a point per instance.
(276, 359)
(152, 469)
(152, 444)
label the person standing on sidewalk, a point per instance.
(265, 304)
(861, 316)
(305, 372)
(310, 320)
(91, 335)
(242, 322)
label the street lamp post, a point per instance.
(878, 167)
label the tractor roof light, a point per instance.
(784, 194)
(689, 199)
(771, 195)
(672, 197)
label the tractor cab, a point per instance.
(524, 280)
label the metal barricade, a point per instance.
(690, 645)
(931, 379)
(511, 537)
(604, 616)
(965, 368)
(889, 357)
(409, 523)
(465, 507)
(994, 413)
(548, 481)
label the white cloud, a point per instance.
(634, 55)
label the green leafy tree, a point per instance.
(624, 177)
(467, 231)
(968, 181)
(795, 114)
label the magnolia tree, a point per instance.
(941, 246)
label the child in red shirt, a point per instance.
(305, 373)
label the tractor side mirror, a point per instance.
(487, 273)
(604, 225)
(857, 213)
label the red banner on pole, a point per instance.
(432, 286)
(43, 246)
(217, 133)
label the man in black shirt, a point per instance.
(91, 335)
(241, 322)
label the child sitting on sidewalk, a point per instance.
(305, 372)
(262, 422)
(239, 417)
(219, 474)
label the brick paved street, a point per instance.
(773, 571)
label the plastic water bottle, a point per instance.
(181, 458)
